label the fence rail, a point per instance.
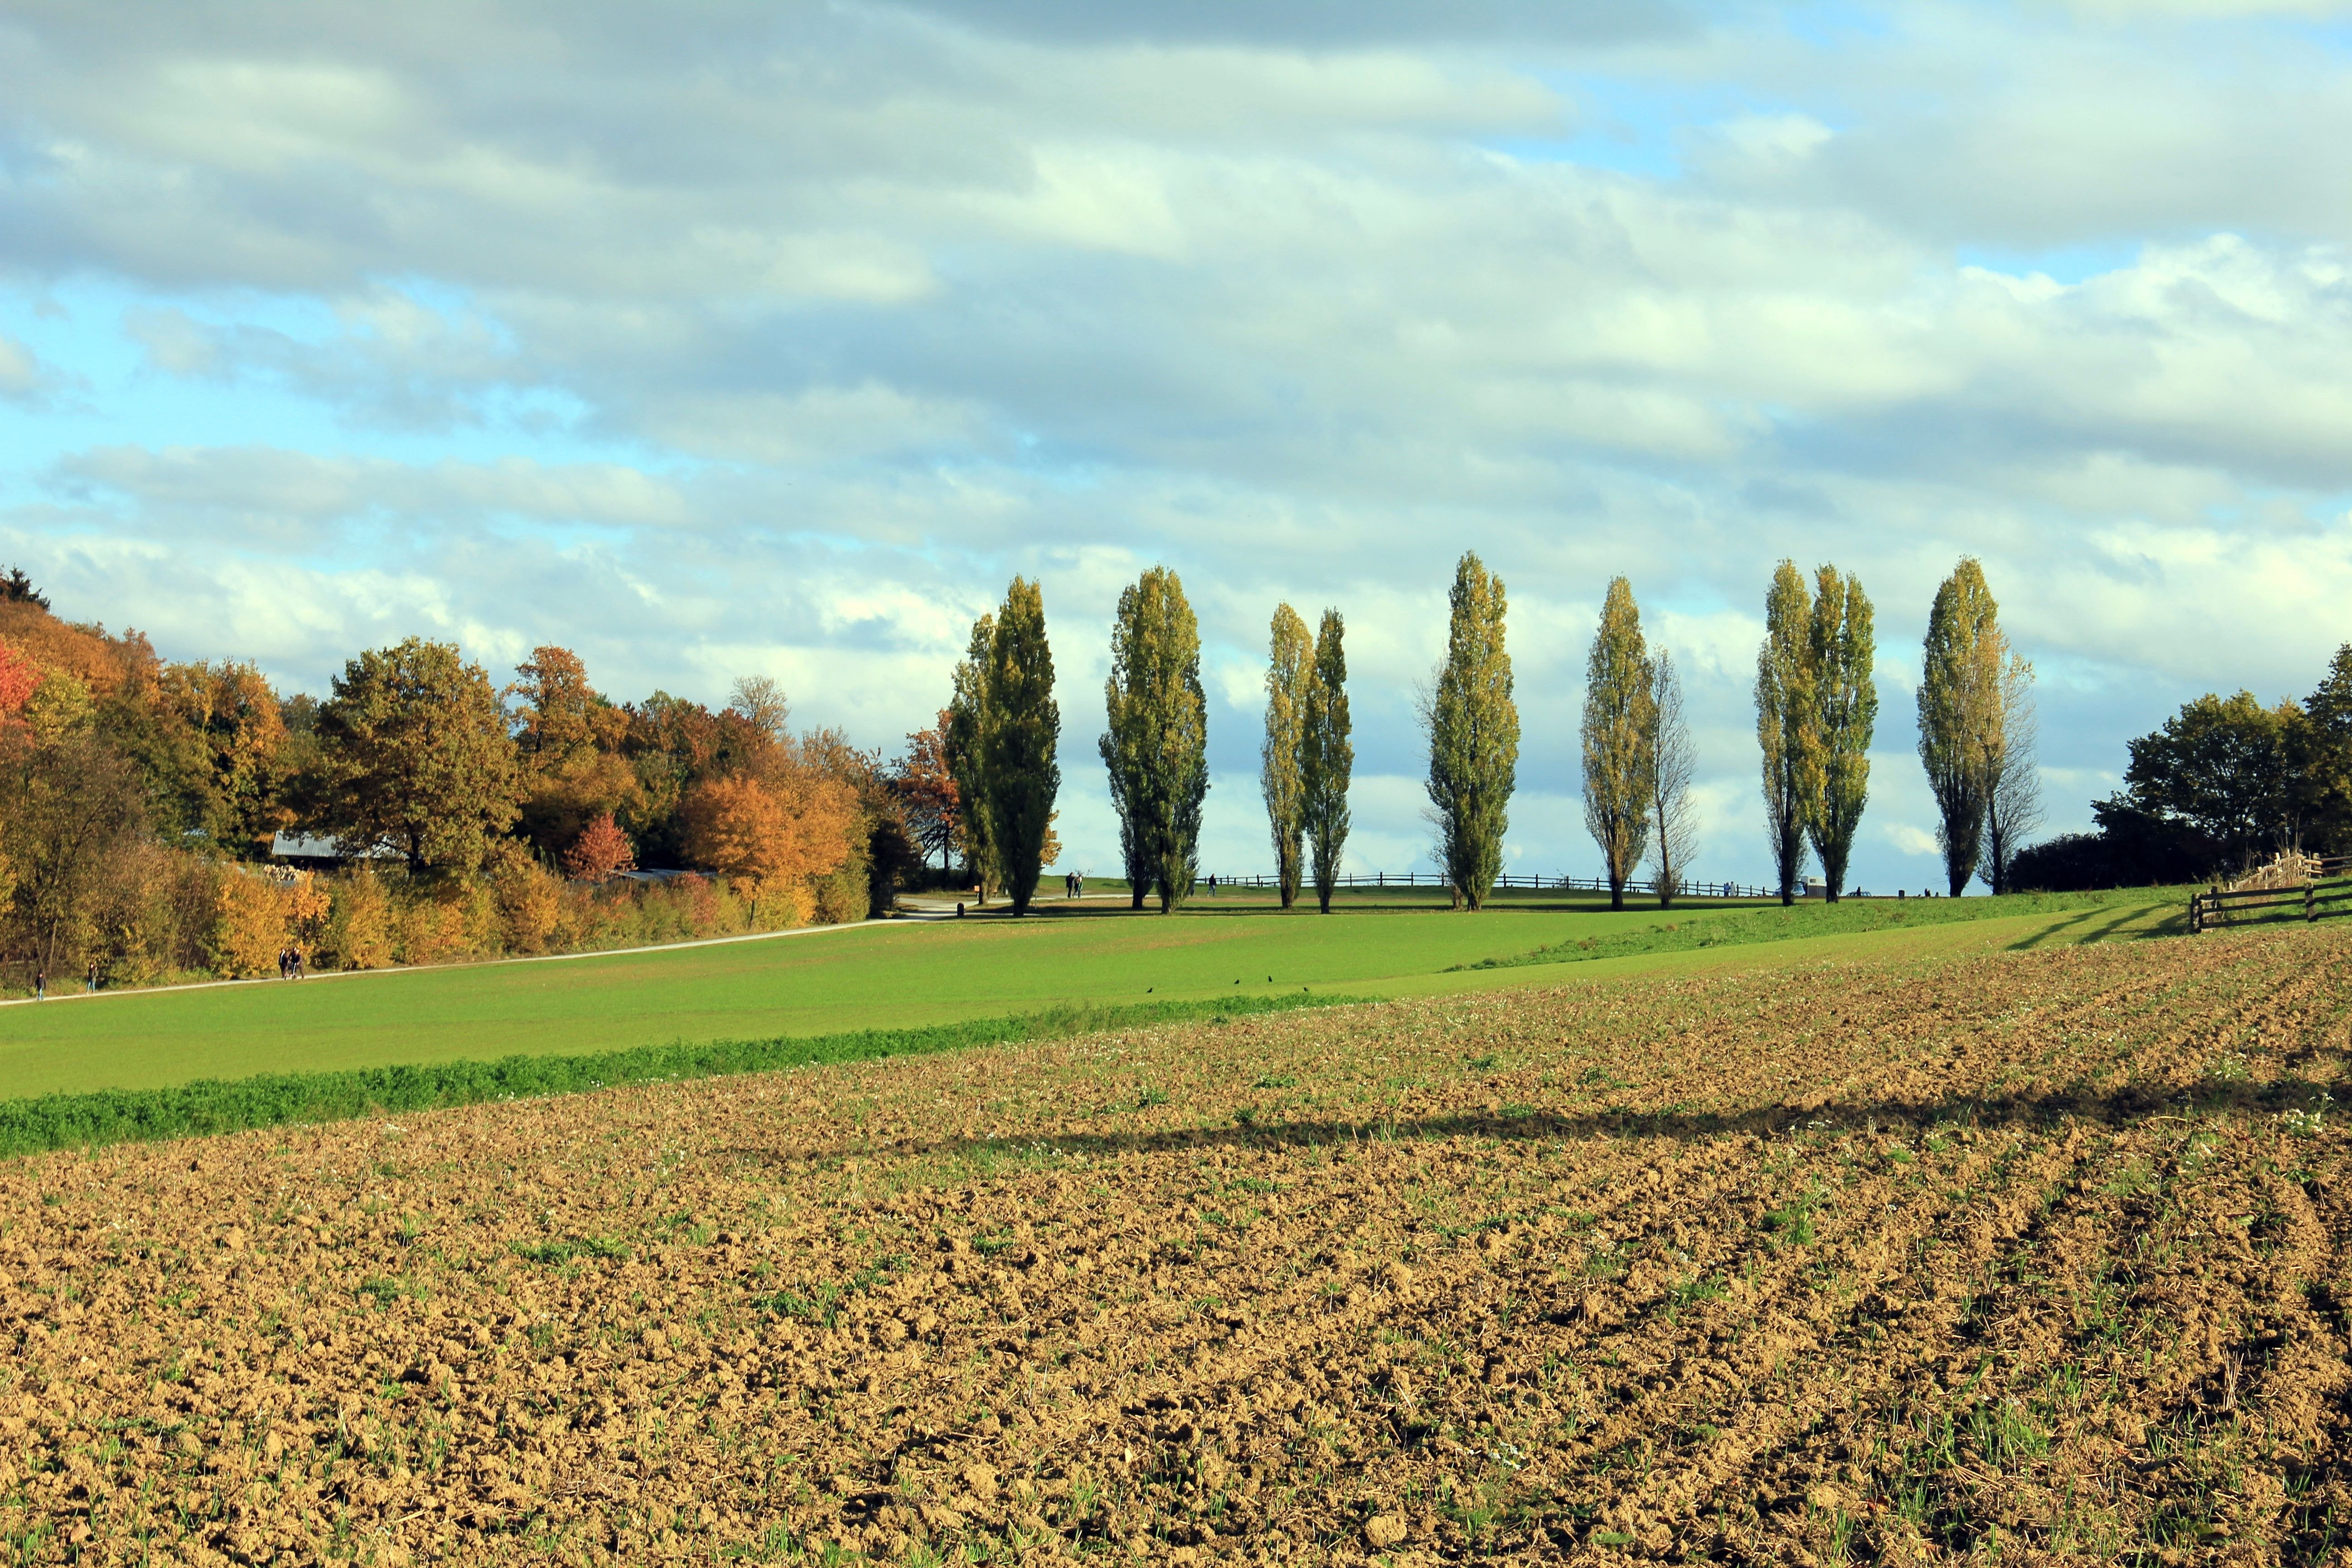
(1685, 889)
(2228, 906)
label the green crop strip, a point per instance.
(102, 1117)
(1851, 917)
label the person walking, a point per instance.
(40, 984)
(294, 958)
(90, 981)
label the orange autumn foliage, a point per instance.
(601, 850)
(793, 825)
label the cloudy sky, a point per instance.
(774, 338)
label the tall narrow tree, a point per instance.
(1784, 706)
(1474, 735)
(1281, 759)
(1023, 734)
(1155, 746)
(1960, 714)
(1327, 758)
(1621, 738)
(1846, 710)
(965, 731)
(1673, 820)
(2013, 807)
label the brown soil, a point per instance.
(2041, 1254)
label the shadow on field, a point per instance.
(2122, 1110)
(2129, 924)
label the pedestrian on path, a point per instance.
(90, 981)
(40, 984)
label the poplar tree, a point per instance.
(1846, 708)
(1155, 746)
(1784, 703)
(964, 726)
(1621, 738)
(1961, 719)
(1281, 759)
(1327, 758)
(1674, 822)
(1474, 735)
(1019, 740)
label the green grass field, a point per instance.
(915, 973)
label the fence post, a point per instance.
(2310, 902)
(2196, 913)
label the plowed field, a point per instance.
(2034, 1254)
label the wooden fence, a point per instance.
(1687, 889)
(2328, 894)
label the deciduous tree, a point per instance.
(570, 743)
(1023, 734)
(1472, 726)
(418, 757)
(1845, 713)
(1960, 725)
(1290, 671)
(1621, 738)
(1784, 721)
(927, 791)
(74, 807)
(2223, 768)
(1327, 757)
(601, 850)
(2014, 809)
(1156, 745)
(771, 837)
(1673, 820)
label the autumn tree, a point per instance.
(1156, 747)
(1621, 738)
(1842, 655)
(1327, 758)
(570, 741)
(600, 850)
(1785, 721)
(963, 738)
(417, 756)
(1019, 742)
(1961, 718)
(74, 809)
(1281, 757)
(1673, 817)
(230, 766)
(1472, 726)
(927, 791)
(769, 837)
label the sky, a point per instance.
(742, 339)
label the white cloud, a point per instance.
(779, 340)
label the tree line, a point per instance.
(2225, 783)
(140, 799)
(982, 782)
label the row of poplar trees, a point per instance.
(1816, 706)
(1002, 726)
(1638, 760)
(1816, 711)
(1156, 745)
